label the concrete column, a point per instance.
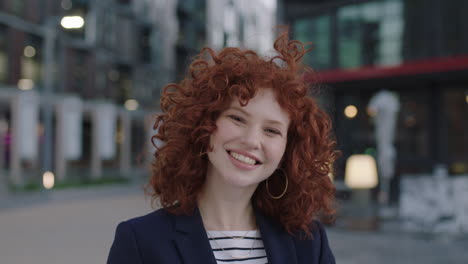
(24, 145)
(3, 130)
(96, 163)
(125, 147)
(103, 116)
(68, 133)
(60, 161)
(15, 160)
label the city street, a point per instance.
(77, 226)
(96, 94)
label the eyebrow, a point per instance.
(247, 114)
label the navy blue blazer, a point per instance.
(163, 238)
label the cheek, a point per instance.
(221, 135)
(276, 151)
(215, 141)
(226, 130)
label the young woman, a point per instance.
(242, 174)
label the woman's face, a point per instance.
(249, 141)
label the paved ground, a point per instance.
(77, 226)
(389, 248)
(66, 227)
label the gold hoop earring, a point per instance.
(284, 191)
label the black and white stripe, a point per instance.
(233, 247)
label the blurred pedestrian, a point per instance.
(242, 171)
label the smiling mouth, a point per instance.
(243, 159)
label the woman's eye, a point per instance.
(236, 118)
(272, 131)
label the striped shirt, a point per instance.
(237, 247)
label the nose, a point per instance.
(252, 138)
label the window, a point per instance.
(144, 49)
(412, 136)
(31, 59)
(370, 34)
(317, 32)
(413, 125)
(456, 111)
(125, 38)
(349, 40)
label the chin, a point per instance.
(243, 181)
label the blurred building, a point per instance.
(123, 50)
(222, 23)
(126, 49)
(241, 23)
(417, 49)
(122, 53)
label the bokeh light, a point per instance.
(131, 104)
(25, 84)
(72, 22)
(29, 51)
(48, 180)
(351, 111)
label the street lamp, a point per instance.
(361, 172)
(50, 37)
(72, 22)
(361, 176)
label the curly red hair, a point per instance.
(191, 107)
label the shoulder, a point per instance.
(144, 230)
(318, 234)
(160, 216)
(135, 237)
(159, 221)
(318, 230)
(315, 247)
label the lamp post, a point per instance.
(50, 38)
(361, 176)
(48, 76)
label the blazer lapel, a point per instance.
(278, 243)
(191, 239)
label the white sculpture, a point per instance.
(385, 106)
(435, 204)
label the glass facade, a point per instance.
(354, 134)
(317, 31)
(370, 34)
(431, 127)
(367, 34)
(435, 29)
(413, 127)
(456, 113)
(384, 33)
(349, 40)
(192, 32)
(357, 134)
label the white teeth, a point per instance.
(243, 158)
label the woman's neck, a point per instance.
(226, 209)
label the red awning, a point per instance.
(435, 65)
